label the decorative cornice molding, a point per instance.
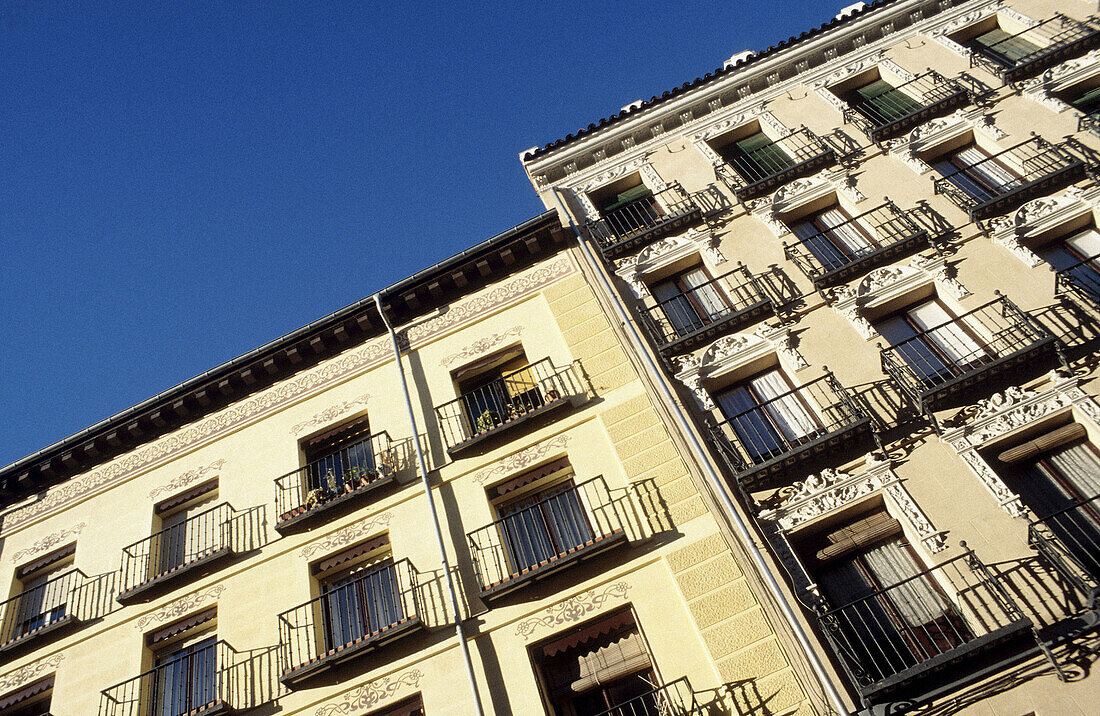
(240, 414)
(730, 352)
(48, 542)
(659, 254)
(572, 610)
(347, 535)
(185, 479)
(330, 413)
(480, 347)
(180, 607)
(25, 674)
(372, 693)
(1040, 216)
(1043, 88)
(522, 459)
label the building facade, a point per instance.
(864, 261)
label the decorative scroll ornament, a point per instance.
(1045, 88)
(659, 254)
(331, 413)
(480, 347)
(1040, 217)
(830, 490)
(372, 693)
(573, 609)
(522, 459)
(180, 607)
(1011, 410)
(26, 674)
(48, 542)
(181, 481)
(348, 535)
(938, 130)
(730, 352)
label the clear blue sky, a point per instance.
(185, 181)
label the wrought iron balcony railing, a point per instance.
(643, 221)
(1069, 540)
(855, 246)
(908, 105)
(1033, 50)
(553, 531)
(181, 549)
(1005, 180)
(1089, 122)
(713, 308)
(764, 169)
(673, 699)
(505, 403)
(808, 422)
(340, 478)
(958, 355)
(50, 607)
(1082, 279)
(896, 637)
(377, 606)
(198, 682)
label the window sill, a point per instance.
(296, 675)
(54, 628)
(190, 568)
(591, 548)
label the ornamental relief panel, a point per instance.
(1005, 412)
(632, 269)
(572, 610)
(348, 535)
(1042, 89)
(49, 542)
(178, 608)
(1040, 216)
(330, 413)
(191, 476)
(26, 674)
(522, 459)
(480, 347)
(372, 693)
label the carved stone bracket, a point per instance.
(821, 494)
(1005, 412)
(1040, 216)
(656, 256)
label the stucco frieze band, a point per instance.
(573, 609)
(181, 481)
(246, 412)
(372, 693)
(331, 413)
(348, 535)
(480, 347)
(180, 607)
(522, 459)
(49, 542)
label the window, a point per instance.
(880, 102)
(543, 525)
(43, 589)
(933, 343)
(975, 173)
(31, 700)
(188, 531)
(755, 157)
(497, 389)
(767, 415)
(833, 237)
(1004, 48)
(627, 206)
(596, 667)
(691, 300)
(1077, 257)
(890, 610)
(1084, 97)
(340, 460)
(360, 602)
(185, 676)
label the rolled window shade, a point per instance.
(613, 661)
(11, 699)
(181, 626)
(851, 541)
(1043, 443)
(528, 477)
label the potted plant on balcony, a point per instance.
(487, 421)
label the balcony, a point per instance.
(722, 305)
(187, 549)
(1035, 49)
(765, 168)
(965, 352)
(349, 621)
(1081, 279)
(343, 479)
(555, 531)
(818, 420)
(853, 247)
(673, 699)
(1089, 122)
(906, 106)
(199, 682)
(48, 609)
(643, 221)
(504, 404)
(1069, 540)
(935, 627)
(1010, 177)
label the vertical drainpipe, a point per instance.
(479, 710)
(702, 458)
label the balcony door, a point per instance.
(756, 157)
(1002, 47)
(187, 534)
(43, 600)
(976, 174)
(886, 611)
(542, 526)
(882, 103)
(630, 211)
(360, 603)
(933, 343)
(833, 237)
(1078, 258)
(185, 678)
(767, 415)
(690, 301)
